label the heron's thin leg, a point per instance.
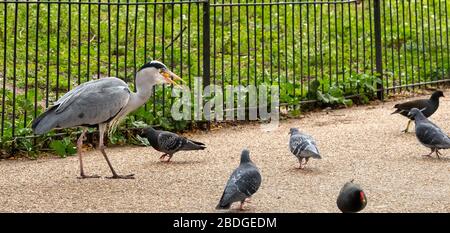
(80, 156)
(101, 147)
(407, 127)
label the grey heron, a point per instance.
(104, 103)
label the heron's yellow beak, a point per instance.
(169, 77)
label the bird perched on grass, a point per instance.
(242, 184)
(302, 146)
(104, 103)
(427, 106)
(169, 143)
(429, 134)
(351, 198)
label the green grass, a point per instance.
(305, 43)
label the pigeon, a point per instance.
(427, 106)
(242, 184)
(351, 198)
(302, 146)
(169, 143)
(429, 134)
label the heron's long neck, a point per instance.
(144, 88)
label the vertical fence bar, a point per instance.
(58, 16)
(88, 66)
(98, 38)
(109, 38)
(79, 44)
(127, 17)
(69, 46)
(206, 49)
(13, 120)
(117, 38)
(378, 49)
(26, 62)
(48, 56)
(36, 61)
(5, 24)
(163, 56)
(154, 53)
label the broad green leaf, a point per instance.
(59, 147)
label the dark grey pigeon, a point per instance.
(429, 134)
(242, 184)
(169, 143)
(351, 198)
(302, 146)
(427, 106)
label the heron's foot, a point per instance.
(405, 131)
(427, 155)
(82, 176)
(130, 176)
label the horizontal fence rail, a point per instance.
(308, 49)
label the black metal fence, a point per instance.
(48, 47)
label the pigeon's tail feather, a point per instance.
(312, 150)
(193, 145)
(221, 206)
(396, 111)
(198, 143)
(315, 155)
(223, 203)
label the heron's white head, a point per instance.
(158, 72)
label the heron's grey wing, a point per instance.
(92, 103)
(72, 92)
(431, 135)
(243, 183)
(170, 142)
(90, 86)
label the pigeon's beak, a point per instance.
(169, 77)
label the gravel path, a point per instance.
(364, 143)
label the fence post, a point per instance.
(206, 49)
(378, 49)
